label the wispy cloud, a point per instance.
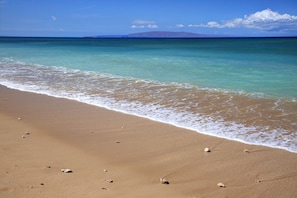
(54, 18)
(265, 20)
(143, 24)
(179, 25)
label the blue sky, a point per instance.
(75, 18)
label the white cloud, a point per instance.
(266, 20)
(54, 18)
(152, 26)
(179, 25)
(137, 26)
(143, 24)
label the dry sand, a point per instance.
(116, 155)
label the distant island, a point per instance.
(160, 34)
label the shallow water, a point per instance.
(239, 89)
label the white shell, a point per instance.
(221, 185)
(246, 151)
(164, 181)
(207, 150)
(67, 170)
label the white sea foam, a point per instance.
(144, 98)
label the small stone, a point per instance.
(48, 166)
(110, 181)
(221, 185)
(67, 170)
(104, 188)
(207, 150)
(25, 135)
(246, 151)
(19, 118)
(42, 184)
(118, 142)
(164, 181)
(258, 180)
(105, 170)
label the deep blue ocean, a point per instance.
(243, 89)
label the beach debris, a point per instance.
(246, 151)
(110, 181)
(118, 142)
(207, 150)
(48, 167)
(104, 188)
(42, 184)
(164, 181)
(258, 180)
(19, 118)
(26, 134)
(105, 170)
(66, 170)
(221, 185)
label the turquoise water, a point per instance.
(242, 89)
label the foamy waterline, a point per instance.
(57, 82)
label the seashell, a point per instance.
(105, 170)
(110, 181)
(67, 170)
(164, 181)
(207, 150)
(25, 135)
(19, 118)
(221, 185)
(246, 151)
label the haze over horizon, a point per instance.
(80, 18)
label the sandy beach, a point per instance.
(117, 155)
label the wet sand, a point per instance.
(116, 155)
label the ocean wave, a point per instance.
(236, 115)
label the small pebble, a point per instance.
(164, 181)
(221, 185)
(19, 118)
(246, 151)
(67, 170)
(25, 135)
(42, 184)
(117, 141)
(110, 181)
(105, 170)
(207, 150)
(258, 180)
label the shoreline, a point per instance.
(156, 120)
(134, 151)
